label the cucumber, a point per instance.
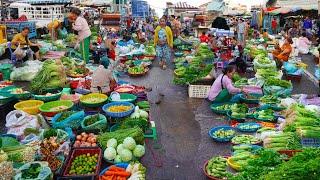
(241, 147)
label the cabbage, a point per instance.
(110, 153)
(120, 148)
(139, 151)
(126, 155)
(143, 114)
(129, 143)
(117, 159)
(112, 143)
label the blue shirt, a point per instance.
(307, 24)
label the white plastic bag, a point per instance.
(20, 53)
(17, 121)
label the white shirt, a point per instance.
(81, 25)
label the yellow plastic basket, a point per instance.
(233, 165)
(29, 106)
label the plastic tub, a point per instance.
(119, 114)
(47, 108)
(102, 98)
(29, 106)
(125, 97)
(77, 152)
(226, 139)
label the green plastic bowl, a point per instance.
(45, 98)
(23, 96)
(7, 97)
(125, 97)
(48, 107)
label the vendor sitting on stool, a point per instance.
(282, 54)
(24, 42)
(222, 88)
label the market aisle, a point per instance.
(179, 134)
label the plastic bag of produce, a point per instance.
(20, 53)
(61, 135)
(290, 68)
(44, 172)
(277, 91)
(30, 138)
(17, 121)
(73, 121)
(98, 123)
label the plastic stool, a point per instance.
(153, 128)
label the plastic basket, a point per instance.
(310, 142)
(240, 127)
(99, 125)
(125, 97)
(73, 121)
(240, 120)
(22, 96)
(7, 97)
(45, 98)
(233, 165)
(121, 114)
(71, 97)
(102, 99)
(205, 172)
(29, 106)
(227, 139)
(198, 91)
(47, 108)
(120, 165)
(214, 105)
(6, 70)
(77, 152)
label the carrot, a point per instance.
(105, 177)
(123, 174)
(116, 169)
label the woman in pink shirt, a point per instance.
(80, 24)
(304, 44)
(222, 88)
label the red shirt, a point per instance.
(274, 24)
(204, 38)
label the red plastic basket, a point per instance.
(77, 152)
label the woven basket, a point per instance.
(98, 126)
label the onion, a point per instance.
(82, 134)
(94, 140)
(84, 139)
(91, 134)
(94, 144)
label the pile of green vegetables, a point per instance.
(217, 167)
(223, 133)
(92, 119)
(192, 74)
(269, 99)
(65, 115)
(204, 52)
(265, 161)
(304, 165)
(224, 107)
(150, 50)
(68, 62)
(32, 172)
(71, 38)
(266, 115)
(278, 82)
(241, 159)
(136, 133)
(245, 139)
(140, 122)
(52, 75)
(267, 73)
(144, 105)
(283, 141)
(239, 111)
(245, 148)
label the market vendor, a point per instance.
(24, 42)
(204, 38)
(222, 89)
(53, 28)
(80, 24)
(303, 44)
(282, 53)
(163, 41)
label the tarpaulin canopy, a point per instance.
(280, 11)
(216, 5)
